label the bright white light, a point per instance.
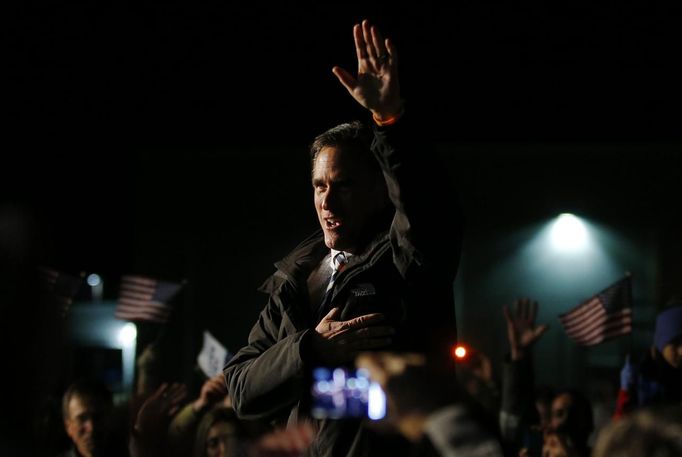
(376, 405)
(460, 352)
(568, 233)
(128, 334)
(94, 280)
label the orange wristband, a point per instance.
(390, 121)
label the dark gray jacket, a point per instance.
(406, 272)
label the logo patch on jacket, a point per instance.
(363, 290)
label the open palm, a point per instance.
(522, 331)
(376, 85)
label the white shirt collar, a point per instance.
(333, 254)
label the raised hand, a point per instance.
(157, 410)
(336, 342)
(521, 329)
(212, 391)
(376, 86)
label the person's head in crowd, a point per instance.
(646, 432)
(219, 434)
(668, 334)
(86, 407)
(572, 419)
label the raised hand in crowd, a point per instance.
(183, 427)
(151, 423)
(213, 391)
(522, 332)
(157, 410)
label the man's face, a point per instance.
(347, 196)
(84, 425)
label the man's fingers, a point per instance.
(370, 337)
(177, 392)
(162, 391)
(217, 389)
(378, 42)
(540, 330)
(516, 312)
(346, 332)
(366, 320)
(372, 332)
(360, 45)
(524, 309)
(390, 48)
(367, 37)
(348, 81)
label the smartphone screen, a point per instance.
(338, 393)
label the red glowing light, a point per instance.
(460, 352)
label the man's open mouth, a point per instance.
(332, 223)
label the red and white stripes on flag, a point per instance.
(145, 299)
(602, 317)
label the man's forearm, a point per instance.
(263, 382)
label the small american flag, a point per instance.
(602, 317)
(58, 287)
(145, 299)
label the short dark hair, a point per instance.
(353, 137)
(86, 388)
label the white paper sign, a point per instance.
(212, 357)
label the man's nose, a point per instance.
(329, 199)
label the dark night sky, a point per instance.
(168, 138)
